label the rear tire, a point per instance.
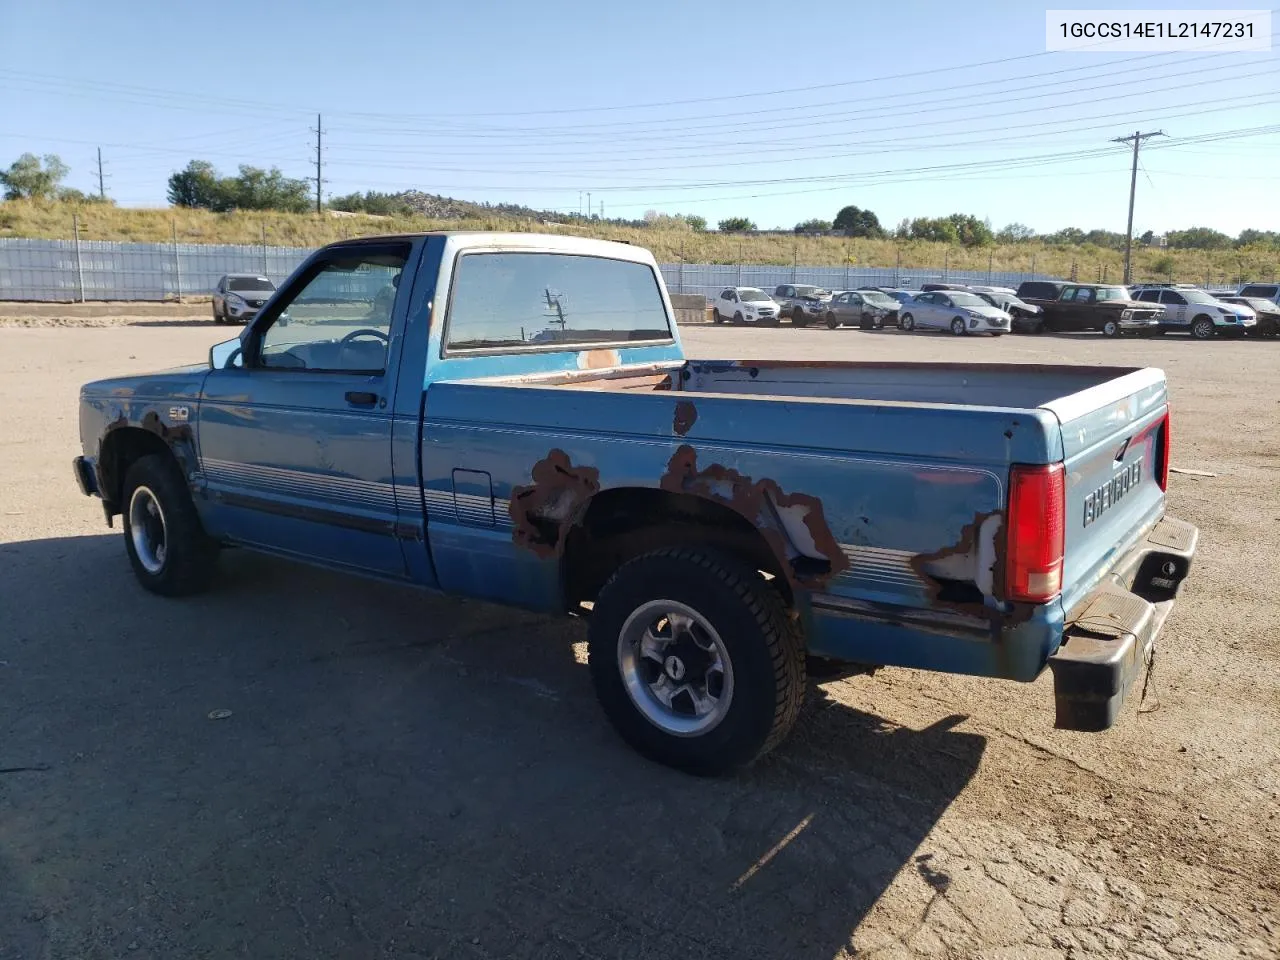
(958, 327)
(1202, 328)
(722, 612)
(718, 318)
(832, 322)
(170, 553)
(906, 322)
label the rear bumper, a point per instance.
(1108, 638)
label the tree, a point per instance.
(1015, 233)
(699, 224)
(197, 186)
(1164, 265)
(971, 231)
(1198, 238)
(251, 189)
(27, 179)
(371, 201)
(1262, 237)
(736, 225)
(1067, 236)
(72, 195)
(1105, 238)
(856, 222)
(1148, 238)
(814, 226)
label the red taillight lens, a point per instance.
(1037, 518)
(1162, 447)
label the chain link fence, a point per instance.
(84, 270)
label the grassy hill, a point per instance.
(102, 222)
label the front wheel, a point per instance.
(1202, 328)
(1111, 328)
(907, 322)
(832, 322)
(695, 660)
(170, 553)
(218, 317)
(957, 326)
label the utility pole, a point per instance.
(588, 204)
(102, 187)
(319, 161)
(1136, 139)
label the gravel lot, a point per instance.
(403, 775)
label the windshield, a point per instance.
(1198, 296)
(1266, 306)
(878, 298)
(250, 284)
(810, 292)
(751, 294)
(1112, 293)
(966, 299)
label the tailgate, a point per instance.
(1113, 438)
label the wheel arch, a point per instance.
(124, 445)
(621, 523)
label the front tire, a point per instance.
(832, 322)
(1202, 328)
(1111, 328)
(695, 661)
(907, 322)
(957, 326)
(218, 317)
(170, 553)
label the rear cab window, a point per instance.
(508, 300)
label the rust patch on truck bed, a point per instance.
(793, 524)
(685, 417)
(968, 576)
(544, 510)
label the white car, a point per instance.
(745, 305)
(1198, 313)
(959, 311)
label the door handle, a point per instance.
(361, 398)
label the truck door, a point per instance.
(295, 443)
(1176, 313)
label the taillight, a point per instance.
(1162, 451)
(1037, 518)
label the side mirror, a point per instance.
(226, 355)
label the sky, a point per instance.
(777, 113)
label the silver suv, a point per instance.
(239, 296)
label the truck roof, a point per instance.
(493, 238)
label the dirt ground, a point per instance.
(408, 776)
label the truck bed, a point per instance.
(981, 385)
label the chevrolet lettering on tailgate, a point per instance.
(1112, 492)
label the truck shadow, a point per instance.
(404, 773)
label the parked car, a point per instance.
(1024, 317)
(1268, 291)
(1200, 314)
(239, 296)
(745, 305)
(970, 518)
(930, 287)
(803, 303)
(1105, 307)
(869, 309)
(959, 311)
(1267, 312)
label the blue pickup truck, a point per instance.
(511, 417)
